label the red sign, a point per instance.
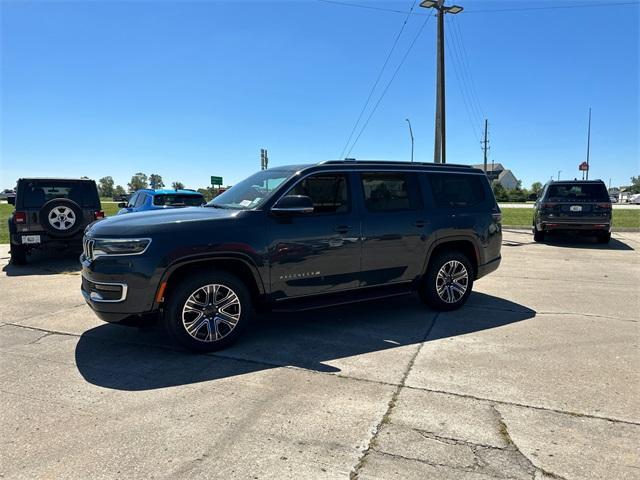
(583, 167)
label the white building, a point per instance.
(497, 172)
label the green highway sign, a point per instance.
(216, 180)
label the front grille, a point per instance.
(87, 247)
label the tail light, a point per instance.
(497, 217)
(548, 206)
(603, 206)
(20, 217)
(98, 214)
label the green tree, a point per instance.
(536, 187)
(105, 186)
(177, 185)
(635, 184)
(138, 181)
(500, 192)
(155, 181)
(119, 190)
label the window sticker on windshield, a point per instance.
(245, 203)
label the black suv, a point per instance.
(296, 237)
(579, 205)
(51, 211)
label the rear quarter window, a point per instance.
(452, 190)
(34, 194)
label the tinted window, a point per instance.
(576, 192)
(456, 190)
(385, 192)
(178, 200)
(328, 192)
(132, 200)
(37, 193)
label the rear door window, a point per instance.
(388, 192)
(452, 190)
(577, 192)
(37, 193)
(132, 200)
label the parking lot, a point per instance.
(536, 377)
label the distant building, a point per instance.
(497, 172)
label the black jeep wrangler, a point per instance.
(296, 237)
(51, 212)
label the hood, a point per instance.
(157, 221)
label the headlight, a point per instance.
(118, 246)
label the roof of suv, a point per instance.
(170, 192)
(56, 179)
(384, 164)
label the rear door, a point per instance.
(394, 227)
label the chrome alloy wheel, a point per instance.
(211, 313)
(62, 218)
(452, 281)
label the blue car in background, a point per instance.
(146, 199)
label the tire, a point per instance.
(197, 290)
(604, 237)
(437, 272)
(61, 208)
(18, 255)
(538, 235)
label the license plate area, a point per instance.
(30, 239)
(575, 208)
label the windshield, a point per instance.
(253, 191)
(179, 200)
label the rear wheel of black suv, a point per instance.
(208, 311)
(18, 255)
(604, 237)
(448, 282)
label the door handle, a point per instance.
(343, 228)
(419, 223)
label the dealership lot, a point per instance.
(537, 377)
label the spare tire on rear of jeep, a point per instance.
(61, 217)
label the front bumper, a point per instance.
(117, 290)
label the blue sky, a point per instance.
(193, 89)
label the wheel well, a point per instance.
(235, 267)
(463, 246)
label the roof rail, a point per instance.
(389, 162)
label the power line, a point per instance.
(395, 73)
(375, 84)
(497, 10)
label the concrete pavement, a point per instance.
(536, 377)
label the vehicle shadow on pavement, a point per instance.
(568, 240)
(123, 358)
(45, 263)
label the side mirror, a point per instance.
(11, 200)
(122, 205)
(293, 204)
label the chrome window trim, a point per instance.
(368, 168)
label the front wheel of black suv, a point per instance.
(208, 311)
(448, 281)
(18, 255)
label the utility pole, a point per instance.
(264, 159)
(485, 144)
(588, 142)
(411, 134)
(559, 172)
(440, 146)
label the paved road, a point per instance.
(536, 378)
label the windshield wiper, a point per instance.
(215, 205)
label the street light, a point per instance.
(411, 134)
(439, 149)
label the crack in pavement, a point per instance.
(504, 431)
(390, 406)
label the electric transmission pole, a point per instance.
(485, 144)
(588, 142)
(439, 148)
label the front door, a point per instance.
(316, 252)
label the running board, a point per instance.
(337, 299)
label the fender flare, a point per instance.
(450, 239)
